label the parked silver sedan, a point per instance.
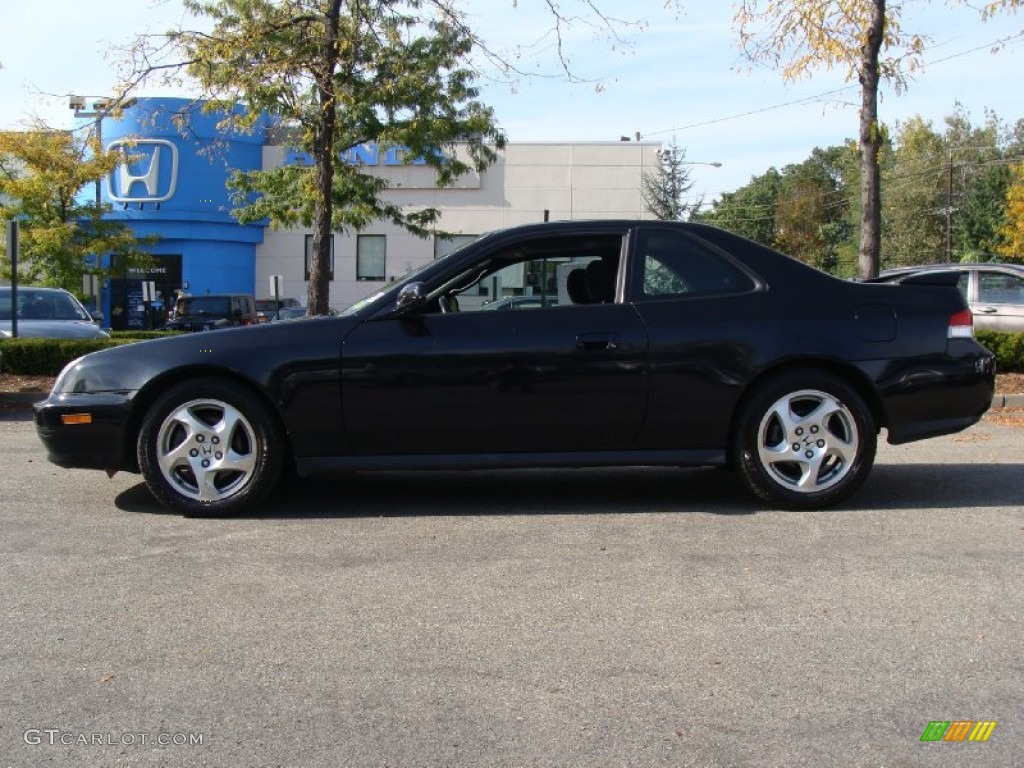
(47, 313)
(994, 292)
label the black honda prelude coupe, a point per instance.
(650, 343)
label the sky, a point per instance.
(678, 76)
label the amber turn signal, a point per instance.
(76, 418)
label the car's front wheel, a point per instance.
(805, 440)
(210, 447)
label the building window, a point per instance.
(309, 257)
(371, 251)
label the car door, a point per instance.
(998, 304)
(564, 378)
(705, 318)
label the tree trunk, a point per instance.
(319, 290)
(870, 144)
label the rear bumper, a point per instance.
(938, 397)
(101, 444)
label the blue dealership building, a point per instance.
(173, 188)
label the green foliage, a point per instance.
(46, 177)
(339, 75)
(1007, 347)
(945, 192)
(811, 209)
(47, 357)
(750, 210)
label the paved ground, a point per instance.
(643, 617)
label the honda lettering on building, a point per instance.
(148, 174)
(364, 154)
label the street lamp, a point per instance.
(101, 107)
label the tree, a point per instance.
(44, 175)
(750, 210)
(664, 191)
(945, 191)
(863, 37)
(1012, 231)
(337, 75)
(915, 196)
(812, 208)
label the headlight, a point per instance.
(67, 379)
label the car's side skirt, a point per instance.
(310, 465)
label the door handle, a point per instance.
(596, 342)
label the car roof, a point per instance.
(955, 267)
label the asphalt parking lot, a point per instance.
(640, 617)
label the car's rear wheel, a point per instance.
(210, 447)
(805, 440)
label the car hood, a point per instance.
(54, 329)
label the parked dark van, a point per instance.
(212, 311)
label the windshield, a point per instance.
(42, 305)
(204, 305)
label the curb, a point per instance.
(1008, 401)
(26, 399)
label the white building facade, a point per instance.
(528, 182)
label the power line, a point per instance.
(822, 96)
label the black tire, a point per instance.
(805, 440)
(209, 447)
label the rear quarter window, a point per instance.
(674, 265)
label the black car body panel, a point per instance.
(638, 377)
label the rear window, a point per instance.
(204, 305)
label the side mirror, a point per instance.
(97, 317)
(411, 296)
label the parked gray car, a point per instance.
(994, 292)
(47, 313)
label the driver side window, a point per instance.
(539, 275)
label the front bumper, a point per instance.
(103, 443)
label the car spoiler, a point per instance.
(947, 278)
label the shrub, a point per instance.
(1007, 347)
(46, 357)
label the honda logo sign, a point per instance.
(148, 172)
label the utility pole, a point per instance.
(949, 208)
(12, 254)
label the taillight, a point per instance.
(961, 325)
